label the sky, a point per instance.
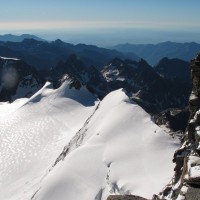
(103, 21)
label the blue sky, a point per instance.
(100, 17)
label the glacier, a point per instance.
(66, 144)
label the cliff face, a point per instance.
(185, 184)
(17, 79)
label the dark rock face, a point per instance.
(174, 68)
(173, 119)
(125, 197)
(151, 91)
(17, 79)
(192, 194)
(76, 70)
(186, 181)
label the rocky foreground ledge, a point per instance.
(125, 197)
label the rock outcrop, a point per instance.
(146, 87)
(174, 68)
(125, 197)
(186, 181)
(17, 79)
(77, 71)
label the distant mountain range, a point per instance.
(43, 54)
(152, 53)
(166, 85)
(18, 38)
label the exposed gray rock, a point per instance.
(125, 197)
(193, 194)
(186, 181)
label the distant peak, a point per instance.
(143, 62)
(59, 41)
(8, 35)
(165, 59)
(18, 38)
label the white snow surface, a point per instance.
(5, 58)
(122, 152)
(33, 132)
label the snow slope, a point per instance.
(119, 150)
(34, 131)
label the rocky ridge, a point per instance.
(186, 181)
(74, 69)
(146, 87)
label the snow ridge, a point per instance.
(119, 150)
(33, 132)
(76, 141)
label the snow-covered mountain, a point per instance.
(144, 84)
(76, 69)
(33, 133)
(65, 144)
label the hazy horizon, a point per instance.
(103, 23)
(109, 39)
